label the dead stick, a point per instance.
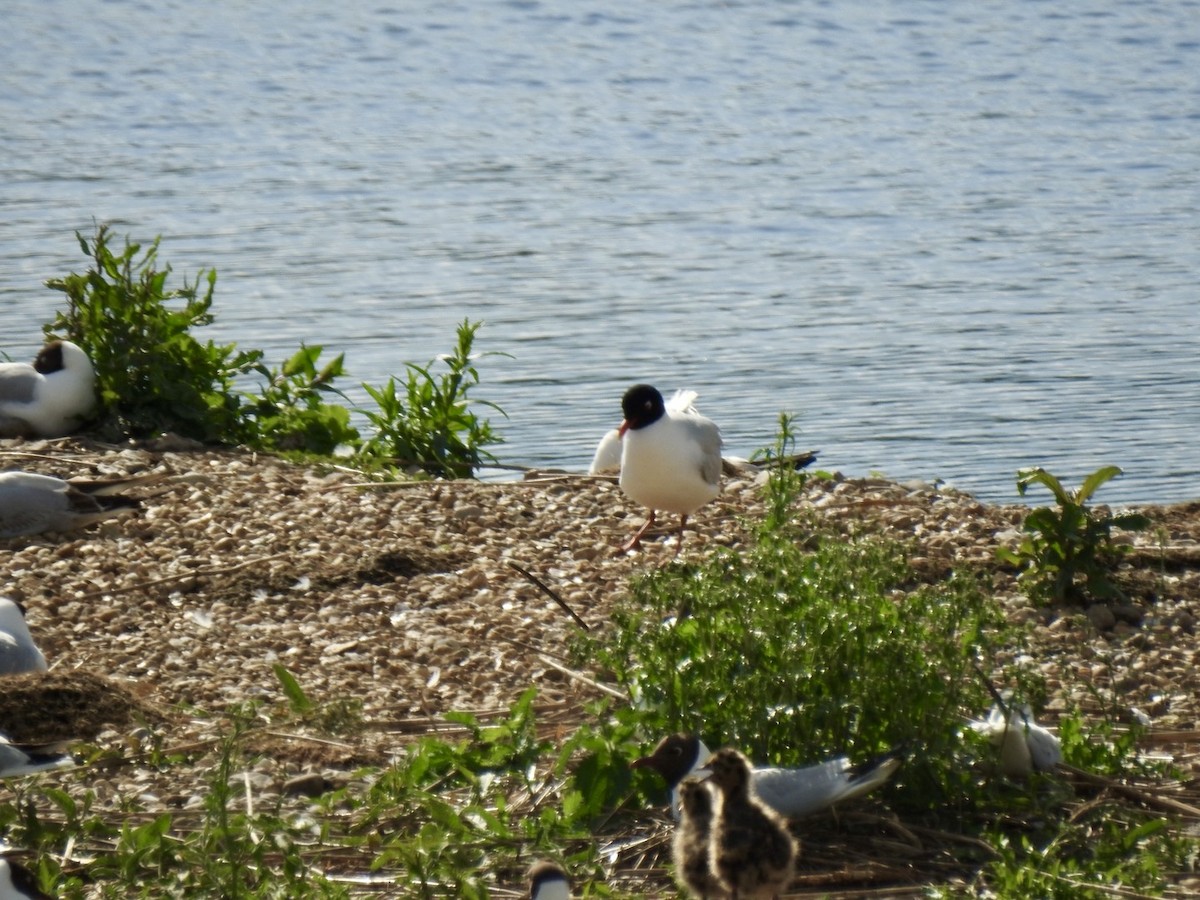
(551, 594)
(579, 676)
(1132, 792)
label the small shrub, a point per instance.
(794, 655)
(431, 426)
(152, 374)
(290, 412)
(1068, 553)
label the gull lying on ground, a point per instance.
(18, 653)
(27, 759)
(50, 398)
(1025, 746)
(792, 792)
(31, 503)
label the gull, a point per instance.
(751, 852)
(27, 759)
(31, 503)
(50, 398)
(693, 837)
(1025, 746)
(18, 883)
(792, 793)
(670, 461)
(18, 653)
(607, 460)
(547, 881)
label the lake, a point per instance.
(952, 239)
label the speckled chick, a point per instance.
(751, 851)
(693, 835)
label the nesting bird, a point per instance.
(791, 792)
(50, 398)
(693, 837)
(31, 503)
(1025, 746)
(18, 653)
(18, 883)
(751, 851)
(28, 759)
(670, 459)
(547, 881)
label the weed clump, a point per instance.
(1068, 553)
(153, 376)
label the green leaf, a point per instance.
(299, 701)
(1093, 481)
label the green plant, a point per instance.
(290, 412)
(1071, 544)
(786, 481)
(1108, 851)
(152, 375)
(431, 427)
(794, 654)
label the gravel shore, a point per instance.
(409, 599)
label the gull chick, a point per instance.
(693, 837)
(791, 792)
(18, 653)
(31, 503)
(751, 851)
(670, 460)
(50, 398)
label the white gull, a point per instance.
(50, 398)
(28, 759)
(18, 653)
(31, 503)
(1025, 746)
(671, 459)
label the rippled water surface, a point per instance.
(955, 239)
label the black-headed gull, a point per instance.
(693, 836)
(18, 883)
(18, 653)
(670, 460)
(1025, 746)
(31, 503)
(751, 851)
(547, 881)
(790, 792)
(607, 459)
(50, 398)
(27, 759)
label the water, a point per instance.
(953, 239)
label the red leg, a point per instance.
(637, 538)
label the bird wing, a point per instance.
(17, 759)
(18, 384)
(607, 460)
(798, 792)
(18, 657)
(707, 438)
